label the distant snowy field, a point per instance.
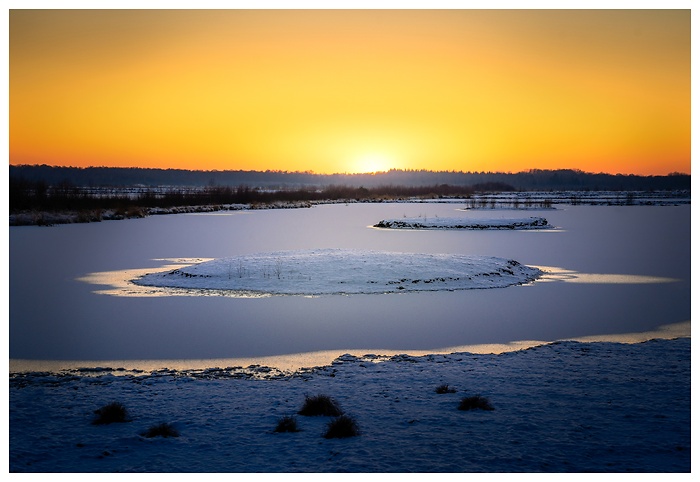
(561, 407)
(463, 223)
(338, 271)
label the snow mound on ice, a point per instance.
(337, 271)
(463, 223)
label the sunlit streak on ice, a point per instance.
(552, 274)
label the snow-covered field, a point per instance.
(340, 271)
(561, 407)
(463, 223)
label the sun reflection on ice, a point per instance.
(553, 274)
(119, 282)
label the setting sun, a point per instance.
(372, 162)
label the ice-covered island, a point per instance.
(339, 271)
(463, 223)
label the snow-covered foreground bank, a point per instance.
(463, 223)
(562, 407)
(338, 271)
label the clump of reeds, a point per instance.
(476, 402)
(445, 388)
(320, 405)
(161, 430)
(342, 427)
(287, 424)
(113, 412)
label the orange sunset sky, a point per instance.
(352, 90)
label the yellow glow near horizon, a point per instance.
(372, 162)
(325, 90)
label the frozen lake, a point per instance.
(640, 256)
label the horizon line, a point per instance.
(312, 173)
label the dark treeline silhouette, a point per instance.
(532, 180)
(40, 196)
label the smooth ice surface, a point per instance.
(342, 271)
(54, 315)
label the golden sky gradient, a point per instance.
(352, 90)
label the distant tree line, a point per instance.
(532, 180)
(38, 195)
